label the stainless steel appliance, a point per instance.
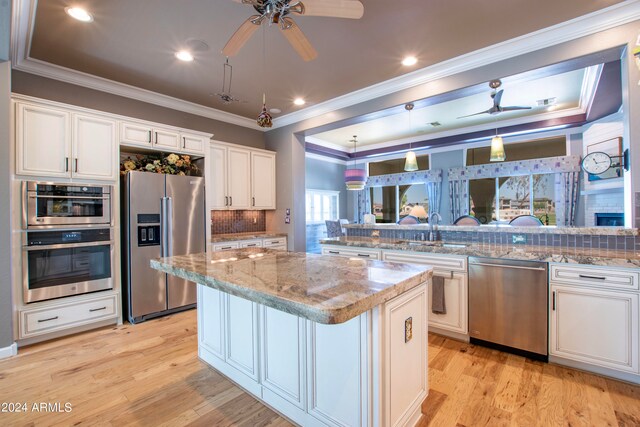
(508, 304)
(58, 263)
(163, 215)
(51, 205)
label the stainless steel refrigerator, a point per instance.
(162, 215)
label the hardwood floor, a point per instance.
(149, 375)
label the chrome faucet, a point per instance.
(433, 233)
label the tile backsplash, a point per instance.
(223, 222)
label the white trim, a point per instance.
(589, 87)
(12, 350)
(604, 19)
(325, 159)
(22, 29)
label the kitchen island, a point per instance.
(324, 341)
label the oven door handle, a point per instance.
(68, 245)
(44, 196)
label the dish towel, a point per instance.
(438, 305)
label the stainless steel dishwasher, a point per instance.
(508, 305)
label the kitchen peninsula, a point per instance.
(323, 340)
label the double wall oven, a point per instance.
(68, 241)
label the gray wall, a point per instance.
(6, 310)
(321, 175)
(41, 87)
(444, 161)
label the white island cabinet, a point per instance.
(325, 342)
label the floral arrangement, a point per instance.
(173, 164)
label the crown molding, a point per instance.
(21, 33)
(325, 158)
(604, 19)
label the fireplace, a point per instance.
(610, 219)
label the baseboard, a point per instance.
(12, 350)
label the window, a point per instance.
(387, 167)
(322, 205)
(504, 198)
(551, 147)
(390, 204)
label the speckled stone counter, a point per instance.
(232, 237)
(504, 228)
(323, 289)
(586, 256)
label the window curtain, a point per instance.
(364, 205)
(458, 198)
(567, 191)
(434, 193)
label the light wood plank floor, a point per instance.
(149, 375)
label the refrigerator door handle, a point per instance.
(169, 226)
(163, 227)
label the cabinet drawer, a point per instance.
(193, 143)
(443, 262)
(251, 244)
(225, 246)
(38, 321)
(594, 277)
(277, 241)
(351, 252)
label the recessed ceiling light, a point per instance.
(79, 14)
(409, 61)
(184, 55)
(299, 101)
(275, 111)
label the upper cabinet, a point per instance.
(241, 178)
(53, 142)
(163, 138)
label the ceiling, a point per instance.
(566, 88)
(133, 42)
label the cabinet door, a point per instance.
(283, 355)
(263, 180)
(211, 308)
(95, 151)
(191, 143)
(455, 296)
(239, 182)
(594, 326)
(242, 335)
(43, 140)
(135, 134)
(217, 183)
(166, 139)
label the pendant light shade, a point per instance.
(355, 178)
(410, 162)
(497, 150)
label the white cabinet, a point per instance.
(241, 331)
(211, 314)
(95, 150)
(52, 142)
(595, 326)
(251, 244)
(275, 243)
(351, 252)
(147, 135)
(263, 180)
(241, 178)
(193, 143)
(224, 246)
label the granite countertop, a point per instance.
(232, 237)
(601, 257)
(505, 228)
(321, 288)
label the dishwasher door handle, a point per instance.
(509, 266)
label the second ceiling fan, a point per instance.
(279, 12)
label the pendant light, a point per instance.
(410, 160)
(264, 119)
(355, 178)
(497, 149)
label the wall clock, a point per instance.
(596, 163)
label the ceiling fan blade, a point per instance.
(476, 114)
(497, 98)
(514, 108)
(240, 37)
(299, 41)
(350, 9)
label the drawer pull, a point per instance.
(553, 308)
(334, 252)
(47, 320)
(226, 247)
(364, 255)
(275, 242)
(91, 310)
(250, 245)
(584, 276)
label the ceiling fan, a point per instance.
(496, 95)
(279, 12)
